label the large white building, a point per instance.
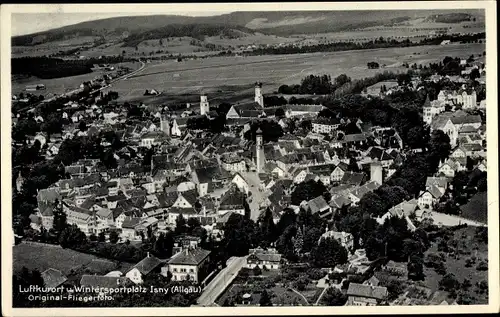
(259, 98)
(204, 105)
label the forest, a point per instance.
(48, 68)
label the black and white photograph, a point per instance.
(215, 156)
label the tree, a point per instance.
(192, 224)
(416, 268)
(449, 283)
(307, 191)
(101, 237)
(59, 223)
(298, 241)
(180, 224)
(342, 80)
(114, 237)
(279, 113)
(82, 126)
(334, 297)
(93, 237)
(265, 299)
(328, 253)
(288, 218)
(439, 145)
(371, 203)
(267, 228)
(72, 237)
(239, 235)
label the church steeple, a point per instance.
(427, 102)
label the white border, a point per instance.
(492, 141)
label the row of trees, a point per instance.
(314, 85)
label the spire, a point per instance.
(427, 102)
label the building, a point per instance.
(344, 238)
(189, 264)
(325, 125)
(52, 278)
(263, 259)
(319, 205)
(204, 105)
(165, 125)
(376, 172)
(429, 197)
(147, 265)
(259, 98)
(260, 159)
(467, 98)
(365, 295)
(451, 123)
(431, 109)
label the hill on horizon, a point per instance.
(273, 22)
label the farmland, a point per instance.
(464, 246)
(53, 256)
(239, 73)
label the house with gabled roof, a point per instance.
(319, 205)
(232, 201)
(448, 168)
(365, 295)
(264, 259)
(186, 199)
(430, 196)
(146, 266)
(53, 278)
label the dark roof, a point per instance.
(130, 222)
(360, 290)
(148, 264)
(53, 278)
(352, 178)
(190, 257)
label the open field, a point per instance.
(177, 78)
(61, 85)
(469, 245)
(43, 256)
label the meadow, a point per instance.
(467, 247)
(239, 73)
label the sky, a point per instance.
(27, 23)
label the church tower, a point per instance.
(165, 125)
(260, 159)
(259, 98)
(376, 172)
(204, 105)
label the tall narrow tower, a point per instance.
(164, 125)
(260, 159)
(376, 172)
(204, 106)
(258, 94)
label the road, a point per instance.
(258, 194)
(450, 220)
(215, 288)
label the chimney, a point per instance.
(187, 251)
(148, 254)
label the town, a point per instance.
(266, 202)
